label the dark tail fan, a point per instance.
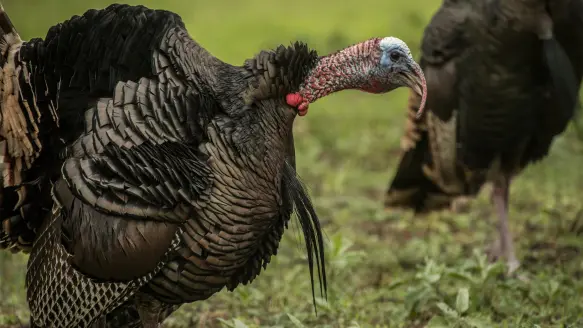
(311, 228)
(564, 80)
(410, 188)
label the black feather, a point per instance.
(563, 78)
(311, 228)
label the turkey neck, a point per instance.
(271, 123)
(345, 69)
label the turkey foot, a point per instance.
(503, 246)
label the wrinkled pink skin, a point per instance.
(355, 67)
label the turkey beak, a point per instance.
(415, 79)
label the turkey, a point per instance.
(142, 173)
(502, 79)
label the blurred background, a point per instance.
(386, 269)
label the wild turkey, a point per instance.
(146, 173)
(503, 78)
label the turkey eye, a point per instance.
(395, 56)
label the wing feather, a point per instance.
(131, 168)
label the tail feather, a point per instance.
(311, 228)
(563, 76)
(19, 146)
(562, 73)
(8, 34)
(410, 187)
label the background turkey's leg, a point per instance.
(504, 246)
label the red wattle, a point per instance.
(303, 109)
(294, 99)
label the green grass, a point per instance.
(386, 269)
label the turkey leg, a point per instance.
(500, 195)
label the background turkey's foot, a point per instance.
(495, 253)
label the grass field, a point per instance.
(386, 269)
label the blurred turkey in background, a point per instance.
(385, 268)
